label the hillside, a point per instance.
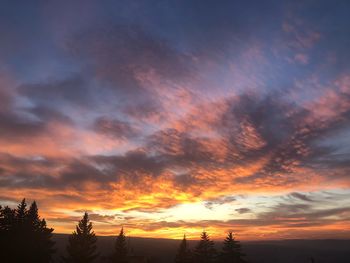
(285, 251)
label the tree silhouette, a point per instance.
(205, 251)
(183, 254)
(232, 250)
(120, 254)
(41, 244)
(23, 236)
(7, 237)
(21, 212)
(82, 243)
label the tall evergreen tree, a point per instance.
(41, 246)
(82, 243)
(232, 250)
(183, 253)
(33, 215)
(205, 251)
(21, 232)
(120, 254)
(21, 212)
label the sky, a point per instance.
(172, 117)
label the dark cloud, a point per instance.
(6, 97)
(64, 219)
(287, 210)
(267, 113)
(82, 211)
(147, 110)
(180, 147)
(101, 218)
(13, 126)
(32, 173)
(72, 89)
(301, 210)
(77, 173)
(46, 115)
(131, 164)
(117, 54)
(115, 128)
(301, 197)
(219, 201)
(18, 123)
(94, 217)
(243, 210)
(185, 180)
(290, 139)
(22, 163)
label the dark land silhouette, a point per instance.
(273, 251)
(25, 237)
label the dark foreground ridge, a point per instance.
(276, 251)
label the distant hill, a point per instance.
(284, 251)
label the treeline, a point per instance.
(24, 237)
(205, 251)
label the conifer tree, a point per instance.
(21, 233)
(21, 212)
(120, 254)
(183, 254)
(41, 245)
(33, 216)
(23, 236)
(7, 219)
(205, 251)
(7, 237)
(82, 243)
(232, 250)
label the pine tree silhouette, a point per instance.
(7, 219)
(21, 212)
(183, 254)
(23, 236)
(41, 245)
(120, 254)
(82, 243)
(205, 251)
(232, 250)
(21, 233)
(7, 237)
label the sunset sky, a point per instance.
(173, 117)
